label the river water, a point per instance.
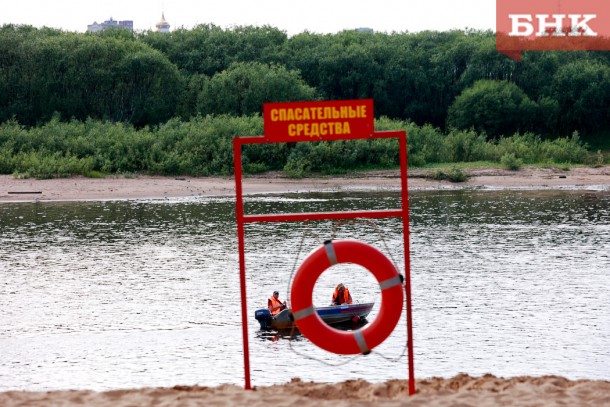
(122, 294)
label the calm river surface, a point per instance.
(121, 294)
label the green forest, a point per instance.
(170, 103)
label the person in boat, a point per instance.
(341, 295)
(274, 304)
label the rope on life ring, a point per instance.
(315, 329)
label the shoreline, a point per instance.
(462, 390)
(156, 187)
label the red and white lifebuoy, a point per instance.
(331, 339)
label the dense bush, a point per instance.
(511, 162)
(532, 149)
(243, 88)
(204, 146)
(496, 108)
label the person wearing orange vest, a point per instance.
(341, 295)
(274, 304)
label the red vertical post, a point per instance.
(239, 216)
(407, 250)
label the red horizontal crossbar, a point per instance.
(286, 217)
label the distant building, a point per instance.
(163, 25)
(364, 30)
(95, 27)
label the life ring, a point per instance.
(315, 329)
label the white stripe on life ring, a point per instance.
(364, 349)
(394, 281)
(330, 252)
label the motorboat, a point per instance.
(332, 315)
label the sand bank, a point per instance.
(461, 390)
(142, 187)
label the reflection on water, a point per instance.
(105, 295)
(283, 334)
(293, 333)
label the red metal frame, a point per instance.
(242, 219)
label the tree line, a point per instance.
(449, 80)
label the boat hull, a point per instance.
(333, 315)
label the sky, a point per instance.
(293, 17)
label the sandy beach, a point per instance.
(143, 187)
(461, 390)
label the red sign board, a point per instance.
(551, 25)
(324, 120)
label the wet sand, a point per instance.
(142, 187)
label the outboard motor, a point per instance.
(263, 316)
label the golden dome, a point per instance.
(163, 25)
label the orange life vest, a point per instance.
(273, 302)
(346, 297)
